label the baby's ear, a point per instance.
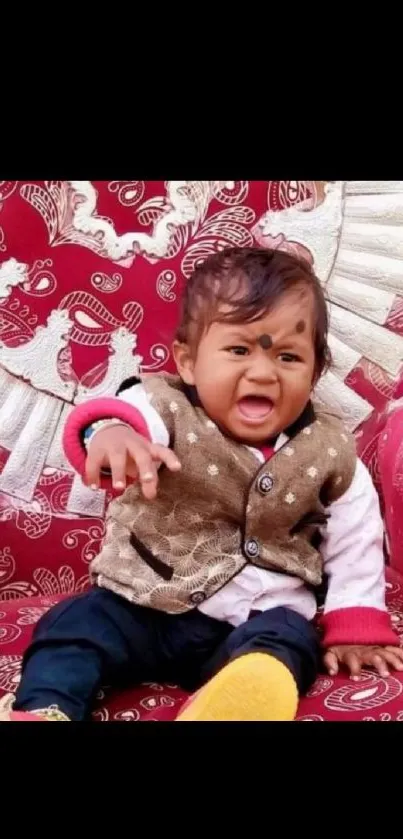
(184, 361)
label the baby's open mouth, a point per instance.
(254, 408)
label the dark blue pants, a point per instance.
(99, 638)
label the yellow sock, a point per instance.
(255, 686)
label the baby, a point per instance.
(235, 497)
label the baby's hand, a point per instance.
(125, 452)
(355, 655)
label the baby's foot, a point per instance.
(7, 714)
(255, 686)
(20, 716)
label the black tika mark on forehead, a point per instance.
(300, 327)
(265, 341)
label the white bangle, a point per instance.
(99, 425)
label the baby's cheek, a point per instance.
(296, 384)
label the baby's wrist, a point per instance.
(92, 430)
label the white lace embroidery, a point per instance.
(121, 364)
(12, 273)
(37, 359)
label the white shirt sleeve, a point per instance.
(352, 547)
(137, 397)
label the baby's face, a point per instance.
(255, 379)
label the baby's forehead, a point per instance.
(291, 315)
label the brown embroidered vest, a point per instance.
(223, 509)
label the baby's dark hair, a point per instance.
(248, 282)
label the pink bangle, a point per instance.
(93, 411)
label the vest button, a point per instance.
(265, 484)
(251, 548)
(197, 597)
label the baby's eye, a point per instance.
(237, 350)
(289, 357)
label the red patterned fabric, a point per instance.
(92, 265)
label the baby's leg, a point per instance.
(77, 645)
(261, 669)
